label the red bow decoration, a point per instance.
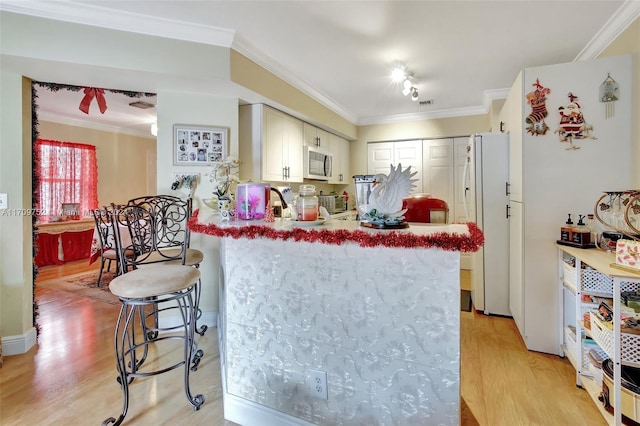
(89, 94)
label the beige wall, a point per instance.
(126, 163)
(250, 75)
(629, 43)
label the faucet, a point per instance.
(284, 203)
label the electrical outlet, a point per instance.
(318, 384)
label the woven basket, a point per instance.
(629, 343)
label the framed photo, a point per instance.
(199, 145)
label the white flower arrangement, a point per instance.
(223, 175)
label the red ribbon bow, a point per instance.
(89, 94)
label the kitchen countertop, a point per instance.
(464, 237)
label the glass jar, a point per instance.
(307, 203)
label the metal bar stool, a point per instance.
(167, 237)
(139, 291)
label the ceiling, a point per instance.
(462, 54)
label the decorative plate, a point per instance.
(308, 223)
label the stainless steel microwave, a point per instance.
(317, 164)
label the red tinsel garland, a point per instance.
(442, 240)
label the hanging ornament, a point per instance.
(609, 93)
(572, 123)
(537, 99)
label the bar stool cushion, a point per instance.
(194, 257)
(154, 281)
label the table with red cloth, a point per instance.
(60, 242)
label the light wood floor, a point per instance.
(69, 377)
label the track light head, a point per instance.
(414, 94)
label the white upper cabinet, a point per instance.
(339, 148)
(270, 145)
(313, 136)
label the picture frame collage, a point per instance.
(199, 145)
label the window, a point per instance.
(67, 173)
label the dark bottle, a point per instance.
(566, 232)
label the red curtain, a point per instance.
(67, 173)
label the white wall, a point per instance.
(203, 110)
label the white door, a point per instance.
(379, 157)
(409, 153)
(437, 170)
(516, 256)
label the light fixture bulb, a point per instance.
(398, 74)
(407, 83)
(414, 95)
(406, 91)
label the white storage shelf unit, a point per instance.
(601, 281)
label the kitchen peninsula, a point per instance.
(373, 314)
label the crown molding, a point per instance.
(87, 14)
(268, 63)
(624, 16)
(488, 97)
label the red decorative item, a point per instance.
(425, 209)
(572, 123)
(443, 240)
(89, 94)
(537, 99)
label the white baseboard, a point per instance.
(15, 345)
(247, 413)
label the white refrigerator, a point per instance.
(486, 202)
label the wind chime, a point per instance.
(609, 93)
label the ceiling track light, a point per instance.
(401, 75)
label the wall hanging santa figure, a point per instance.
(572, 123)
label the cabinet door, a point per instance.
(316, 137)
(516, 265)
(273, 146)
(293, 148)
(340, 156)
